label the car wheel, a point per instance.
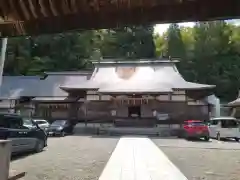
(62, 134)
(39, 146)
(237, 139)
(206, 138)
(218, 136)
(187, 137)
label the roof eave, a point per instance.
(133, 92)
(67, 89)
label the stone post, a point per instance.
(5, 154)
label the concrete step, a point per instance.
(135, 131)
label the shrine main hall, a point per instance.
(126, 93)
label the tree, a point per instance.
(175, 45)
(215, 60)
(161, 45)
(128, 42)
(209, 53)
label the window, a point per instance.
(229, 124)
(14, 122)
(3, 123)
(214, 122)
(59, 122)
(197, 123)
(27, 122)
(40, 122)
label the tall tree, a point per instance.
(128, 42)
(161, 45)
(215, 60)
(175, 45)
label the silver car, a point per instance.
(43, 124)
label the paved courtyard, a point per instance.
(84, 158)
(202, 160)
(68, 158)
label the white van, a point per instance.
(224, 127)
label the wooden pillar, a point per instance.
(73, 111)
(234, 110)
(85, 112)
(115, 105)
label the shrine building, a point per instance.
(126, 93)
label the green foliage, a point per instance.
(175, 45)
(209, 52)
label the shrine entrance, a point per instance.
(134, 111)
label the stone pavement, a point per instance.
(136, 158)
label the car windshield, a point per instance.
(27, 122)
(40, 122)
(59, 122)
(196, 123)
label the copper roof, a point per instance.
(136, 77)
(29, 17)
(14, 87)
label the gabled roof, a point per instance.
(50, 87)
(14, 87)
(136, 77)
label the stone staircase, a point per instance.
(119, 131)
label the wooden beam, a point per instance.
(90, 19)
(73, 6)
(13, 10)
(43, 8)
(65, 7)
(24, 9)
(4, 9)
(21, 28)
(32, 9)
(53, 7)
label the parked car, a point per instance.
(23, 138)
(195, 129)
(224, 127)
(27, 122)
(60, 127)
(44, 124)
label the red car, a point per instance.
(195, 129)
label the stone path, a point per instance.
(139, 159)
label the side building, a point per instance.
(234, 107)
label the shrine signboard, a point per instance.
(131, 101)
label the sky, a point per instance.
(161, 28)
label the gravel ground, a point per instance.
(203, 160)
(67, 158)
(84, 157)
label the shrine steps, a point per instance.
(120, 131)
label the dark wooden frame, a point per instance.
(54, 16)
